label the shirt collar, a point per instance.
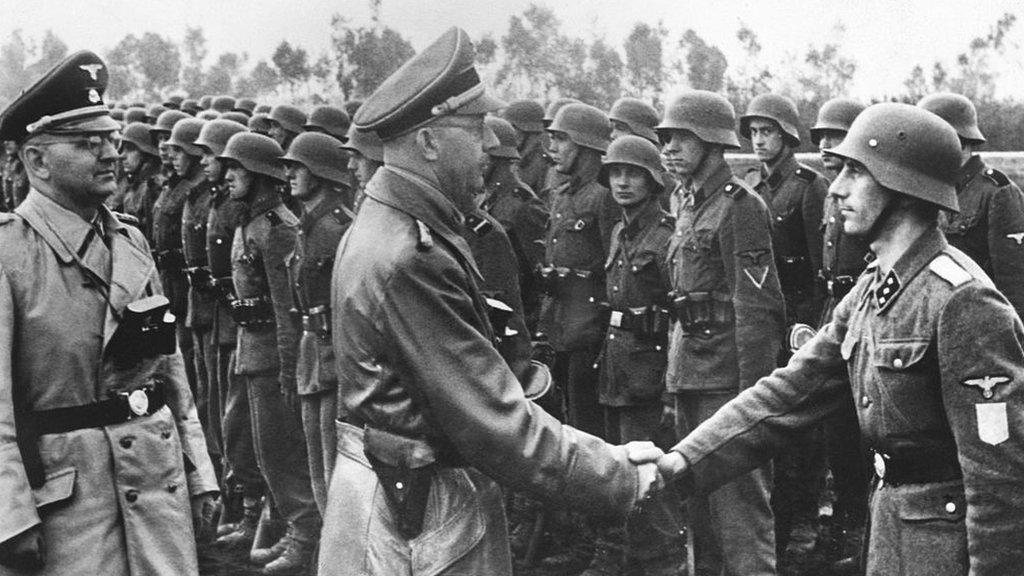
(786, 166)
(65, 231)
(886, 290)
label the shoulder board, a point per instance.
(273, 217)
(997, 177)
(478, 224)
(126, 218)
(426, 239)
(7, 217)
(734, 190)
(947, 269)
(341, 215)
(805, 174)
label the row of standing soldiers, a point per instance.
(244, 208)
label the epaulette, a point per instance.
(342, 215)
(997, 177)
(125, 218)
(426, 240)
(947, 269)
(478, 224)
(805, 174)
(734, 190)
(273, 217)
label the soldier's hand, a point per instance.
(25, 552)
(672, 465)
(643, 452)
(204, 507)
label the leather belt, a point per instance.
(117, 410)
(915, 468)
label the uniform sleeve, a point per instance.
(17, 506)
(748, 430)
(609, 214)
(813, 209)
(1005, 220)
(980, 338)
(477, 402)
(746, 247)
(280, 243)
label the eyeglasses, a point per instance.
(95, 143)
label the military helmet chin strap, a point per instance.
(885, 216)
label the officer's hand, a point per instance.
(204, 507)
(643, 452)
(672, 465)
(26, 551)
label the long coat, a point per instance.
(116, 498)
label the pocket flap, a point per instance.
(900, 355)
(59, 486)
(928, 502)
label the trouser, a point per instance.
(207, 402)
(733, 528)
(281, 454)
(239, 450)
(641, 540)
(849, 462)
(319, 412)
(463, 526)
(799, 472)
(577, 374)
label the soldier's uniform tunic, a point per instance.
(140, 194)
(15, 182)
(990, 226)
(267, 352)
(534, 163)
(795, 194)
(730, 310)
(416, 361)
(936, 369)
(116, 498)
(309, 271)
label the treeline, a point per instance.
(536, 59)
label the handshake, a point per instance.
(657, 497)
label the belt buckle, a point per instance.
(138, 403)
(615, 320)
(880, 464)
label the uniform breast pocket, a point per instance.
(583, 223)
(902, 365)
(702, 241)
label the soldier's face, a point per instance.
(682, 152)
(278, 133)
(766, 139)
(301, 181)
(861, 198)
(362, 167)
(81, 167)
(631, 185)
(239, 181)
(181, 161)
(163, 148)
(132, 158)
(831, 139)
(563, 152)
(212, 168)
(620, 129)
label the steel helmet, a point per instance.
(173, 102)
(774, 107)
(835, 114)
(554, 107)
(259, 123)
(209, 114)
(223, 104)
(707, 115)
(906, 149)
(959, 111)
(351, 107)
(239, 117)
(583, 124)
(366, 143)
(134, 114)
(635, 151)
(190, 106)
(215, 134)
(205, 101)
(320, 153)
(640, 116)
(289, 117)
(329, 119)
(256, 153)
(154, 111)
(525, 115)
(262, 109)
(184, 135)
(506, 136)
(245, 106)
(166, 121)
(117, 114)
(137, 133)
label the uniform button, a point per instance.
(131, 496)
(558, 215)
(897, 363)
(611, 336)
(829, 243)
(865, 401)
(591, 299)
(634, 268)
(615, 288)
(950, 507)
(172, 488)
(832, 219)
(166, 434)
(620, 262)
(554, 240)
(399, 485)
(126, 443)
(658, 347)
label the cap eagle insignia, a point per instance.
(92, 69)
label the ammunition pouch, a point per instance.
(145, 330)
(556, 280)
(317, 320)
(839, 286)
(224, 289)
(703, 313)
(172, 260)
(405, 468)
(199, 278)
(253, 313)
(793, 277)
(645, 322)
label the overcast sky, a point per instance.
(886, 37)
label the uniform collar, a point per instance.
(651, 211)
(265, 201)
(65, 231)
(712, 176)
(968, 171)
(536, 145)
(331, 203)
(786, 166)
(886, 290)
(587, 168)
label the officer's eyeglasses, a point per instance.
(95, 143)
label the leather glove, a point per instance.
(204, 507)
(24, 552)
